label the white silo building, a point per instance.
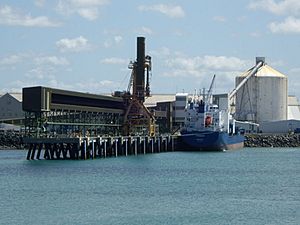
(264, 96)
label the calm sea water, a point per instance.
(251, 186)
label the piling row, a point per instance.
(99, 147)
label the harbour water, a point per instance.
(250, 186)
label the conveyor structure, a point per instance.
(53, 112)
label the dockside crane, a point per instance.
(210, 90)
(138, 119)
(260, 61)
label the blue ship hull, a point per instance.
(211, 141)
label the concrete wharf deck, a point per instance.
(97, 147)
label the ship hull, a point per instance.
(211, 141)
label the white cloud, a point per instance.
(12, 17)
(41, 72)
(172, 11)
(114, 60)
(291, 8)
(40, 3)
(143, 31)
(118, 39)
(289, 25)
(284, 7)
(73, 45)
(220, 19)
(87, 3)
(52, 60)
(255, 34)
(88, 9)
(115, 40)
(147, 30)
(208, 63)
(12, 59)
(90, 14)
(93, 86)
(165, 52)
(200, 69)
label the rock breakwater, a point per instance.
(272, 140)
(10, 140)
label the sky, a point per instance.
(86, 45)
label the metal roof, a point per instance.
(17, 96)
(154, 99)
(265, 71)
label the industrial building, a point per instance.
(281, 126)
(260, 98)
(11, 108)
(50, 112)
(293, 108)
(180, 103)
(262, 101)
(263, 96)
(292, 124)
(163, 106)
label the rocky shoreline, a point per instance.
(13, 140)
(10, 140)
(272, 140)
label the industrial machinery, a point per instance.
(261, 94)
(138, 119)
(52, 112)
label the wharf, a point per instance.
(97, 147)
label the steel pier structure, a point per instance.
(97, 147)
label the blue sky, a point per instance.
(86, 45)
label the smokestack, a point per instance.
(140, 69)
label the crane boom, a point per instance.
(253, 71)
(209, 93)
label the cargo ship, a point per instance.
(206, 128)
